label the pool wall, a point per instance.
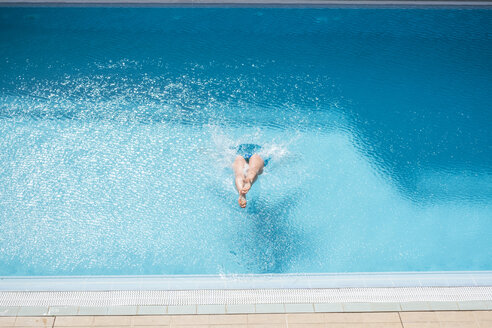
(248, 281)
(288, 3)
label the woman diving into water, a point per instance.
(246, 176)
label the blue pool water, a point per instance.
(118, 127)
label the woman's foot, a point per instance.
(246, 186)
(242, 200)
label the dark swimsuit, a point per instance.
(248, 150)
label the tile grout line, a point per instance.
(401, 321)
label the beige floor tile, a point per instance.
(455, 316)
(266, 318)
(157, 326)
(112, 320)
(72, 327)
(267, 325)
(34, 321)
(151, 320)
(305, 318)
(389, 317)
(418, 317)
(190, 319)
(33, 327)
(235, 325)
(306, 325)
(363, 325)
(483, 315)
(228, 319)
(485, 324)
(457, 324)
(74, 321)
(117, 326)
(190, 326)
(7, 321)
(421, 325)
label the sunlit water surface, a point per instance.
(118, 128)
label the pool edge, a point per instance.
(245, 301)
(234, 294)
(248, 281)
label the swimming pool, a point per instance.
(118, 127)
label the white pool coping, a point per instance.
(245, 301)
(272, 293)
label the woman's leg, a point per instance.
(256, 165)
(238, 167)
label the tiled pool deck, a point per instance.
(433, 307)
(432, 319)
